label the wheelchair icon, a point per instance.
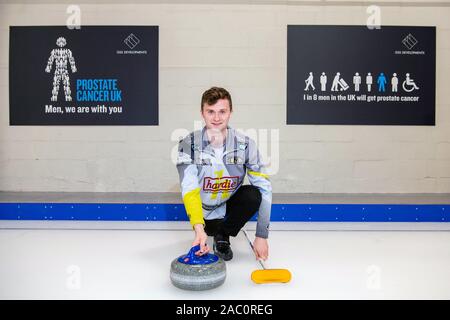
(409, 85)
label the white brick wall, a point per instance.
(243, 48)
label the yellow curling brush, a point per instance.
(268, 275)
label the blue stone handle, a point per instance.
(192, 258)
(191, 254)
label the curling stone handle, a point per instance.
(192, 258)
(191, 254)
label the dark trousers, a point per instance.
(241, 207)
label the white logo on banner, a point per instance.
(131, 41)
(61, 56)
(409, 41)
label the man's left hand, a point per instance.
(261, 248)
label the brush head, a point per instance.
(271, 276)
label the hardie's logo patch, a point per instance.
(242, 146)
(220, 184)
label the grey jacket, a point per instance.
(211, 181)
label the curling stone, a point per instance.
(192, 272)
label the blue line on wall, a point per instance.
(176, 212)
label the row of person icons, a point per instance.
(339, 83)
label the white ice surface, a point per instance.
(134, 264)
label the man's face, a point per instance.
(216, 116)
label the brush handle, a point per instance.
(251, 245)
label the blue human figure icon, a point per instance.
(381, 82)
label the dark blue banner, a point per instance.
(358, 76)
(97, 75)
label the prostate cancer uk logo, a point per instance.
(220, 184)
(88, 90)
